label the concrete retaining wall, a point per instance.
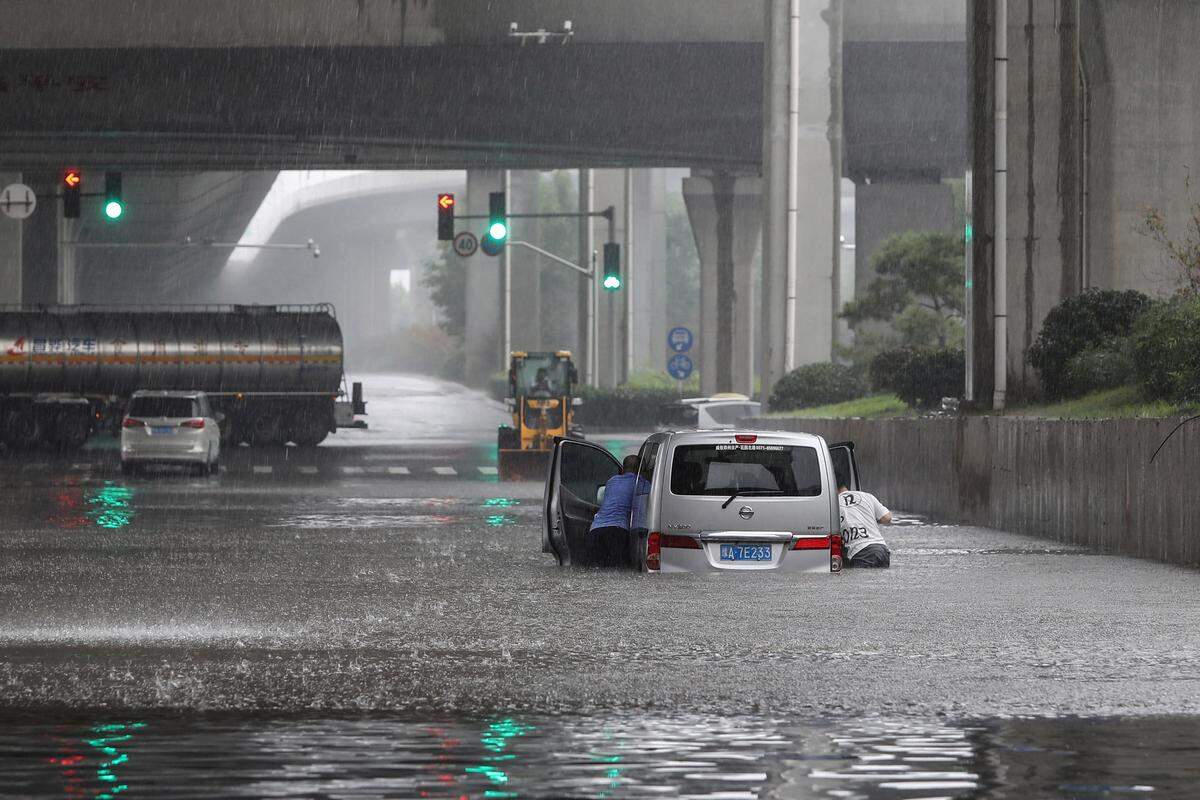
(1086, 483)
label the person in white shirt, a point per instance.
(861, 514)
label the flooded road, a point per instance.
(357, 620)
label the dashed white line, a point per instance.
(445, 470)
(353, 470)
(397, 470)
(308, 470)
(261, 470)
(488, 470)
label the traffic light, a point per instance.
(72, 180)
(445, 209)
(114, 205)
(497, 229)
(612, 267)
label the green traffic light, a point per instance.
(498, 231)
(612, 282)
(113, 209)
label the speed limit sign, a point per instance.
(465, 244)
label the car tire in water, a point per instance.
(20, 428)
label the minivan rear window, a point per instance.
(746, 469)
(162, 407)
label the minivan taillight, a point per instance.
(130, 422)
(192, 423)
(812, 543)
(654, 551)
(835, 553)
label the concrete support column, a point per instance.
(526, 272)
(484, 339)
(610, 191)
(726, 215)
(40, 251)
(10, 247)
(650, 269)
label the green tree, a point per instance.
(918, 288)
(447, 284)
(1183, 252)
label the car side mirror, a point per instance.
(600, 494)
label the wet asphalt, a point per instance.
(390, 571)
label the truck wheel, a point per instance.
(265, 429)
(71, 429)
(308, 428)
(21, 430)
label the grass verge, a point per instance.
(872, 407)
(1124, 402)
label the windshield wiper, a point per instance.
(730, 500)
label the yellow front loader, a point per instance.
(541, 397)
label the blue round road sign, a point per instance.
(680, 367)
(490, 246)
(680, 339)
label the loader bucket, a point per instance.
(523, 465)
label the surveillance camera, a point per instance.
(567, 26)
(512, 27)
(316, 252)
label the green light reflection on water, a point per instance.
(495, 740)
(111, 733)
(500, 520)
(111, 505)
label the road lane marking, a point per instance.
(81, 466)
(352, 470)
(397, 470)
(261, 470)
(488, 470)
(308, 470)
(445, 470)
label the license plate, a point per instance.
(160, 430)
(745, 552)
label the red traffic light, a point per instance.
(445, 201)
(72, 178)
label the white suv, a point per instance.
(170, 428)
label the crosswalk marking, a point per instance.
(488, 470)
(263, 470)
(445, 470)
(353, 470)
(308, 470)
(397, 470)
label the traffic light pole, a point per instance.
(589, 273)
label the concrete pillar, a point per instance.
(610, 191)
(726, 215)
(484, 339)
(649, 270)
(39, 242)
(526, 272)
(10, 247)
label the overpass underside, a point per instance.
(436, 107)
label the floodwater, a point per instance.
(374, 619)
(607, 756)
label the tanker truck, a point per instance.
(274, 372)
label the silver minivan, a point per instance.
(709, 500)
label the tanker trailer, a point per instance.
(274, 372)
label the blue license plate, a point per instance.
(159, 430)
(745, 552)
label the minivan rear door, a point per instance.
(845, 465)
(577, 471)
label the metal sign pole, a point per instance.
(506, 256)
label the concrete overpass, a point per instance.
(376, 83)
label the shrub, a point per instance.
(1098, 368)
(817, 385)
(1166, 350)
(1077, 324)
(622, 408)
(920, 376)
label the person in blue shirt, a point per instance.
(609, 533)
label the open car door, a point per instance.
(578, 470)
(845, 466)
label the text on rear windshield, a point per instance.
(746, 469)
